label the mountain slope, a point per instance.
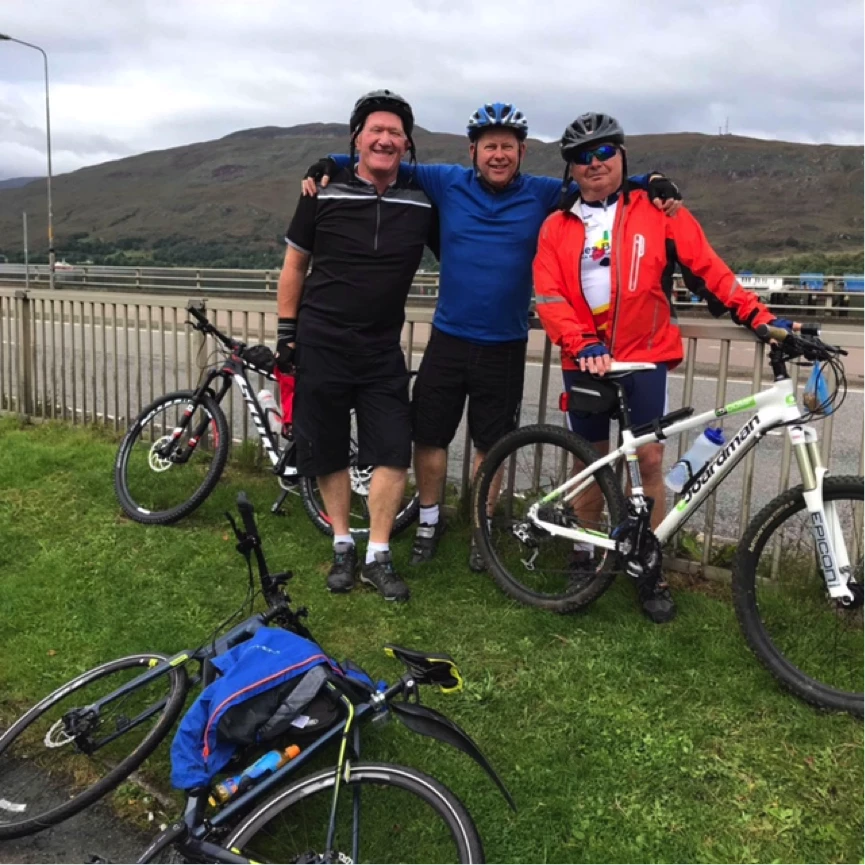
(753, 197)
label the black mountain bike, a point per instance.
(175, 451)
(85, 738)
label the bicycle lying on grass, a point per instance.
(798, 569)
(85, 738)
(166, 467)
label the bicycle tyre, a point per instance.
(748, 608)
(12, 764)
(133, 442)
(591, 589)
(455, 817)
(315, 510)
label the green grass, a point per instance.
(620, 740)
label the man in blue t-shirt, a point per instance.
(489, 217)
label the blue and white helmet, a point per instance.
(497, 114)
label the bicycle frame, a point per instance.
(189, 834)
(774, 406)
(234, 369)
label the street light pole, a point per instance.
(51, 259)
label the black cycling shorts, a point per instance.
(329, 385)
(491, 376)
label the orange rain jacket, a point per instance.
(640, 324)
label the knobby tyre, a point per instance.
(405, 816)
(529, 564)
(47, 774)
(159, 490)
(810, 643)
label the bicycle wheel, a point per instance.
(158, 487)
(405, 816)
(529, 564)
(50, 771)
(361, 477)
(809, 642)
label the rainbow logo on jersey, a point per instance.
(599, 251)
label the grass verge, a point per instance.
(620, 740)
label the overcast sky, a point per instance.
(129, 76)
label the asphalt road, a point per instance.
(95, 832)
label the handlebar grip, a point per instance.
(766, 332)
(196, 313)
(247, 514)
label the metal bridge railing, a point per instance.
(784, 294)
(98, 357)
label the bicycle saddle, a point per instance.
(428, 668)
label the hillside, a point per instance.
(754, 197)
(15, 182)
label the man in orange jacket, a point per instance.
(603, 277)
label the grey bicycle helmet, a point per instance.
(381, 100)
(589, 129)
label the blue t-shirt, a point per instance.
(488, 243)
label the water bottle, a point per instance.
(263, 766)
(272, 414)
(705, 446)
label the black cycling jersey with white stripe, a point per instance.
(365, 251)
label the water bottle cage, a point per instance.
(691, 478)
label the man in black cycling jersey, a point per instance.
(340, 326)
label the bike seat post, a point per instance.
(624, 411)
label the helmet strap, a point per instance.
(566, 184)
(625, 184)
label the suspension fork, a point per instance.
(825, 527)
(199, 431)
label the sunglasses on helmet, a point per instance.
(603, 152)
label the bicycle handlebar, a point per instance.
(206, 326)
(806, 343)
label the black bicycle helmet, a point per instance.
(381, 100)
(589, 129)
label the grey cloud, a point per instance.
(787, 69)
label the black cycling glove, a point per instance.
(663, 188)
(286, 336)
(326, 166)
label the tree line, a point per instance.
(260, 253)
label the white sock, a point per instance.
(429, 515)
(374, 548)
(343, 539)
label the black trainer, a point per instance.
(382, 576)
(426, 540)
(342, 571)
(656, 600)
(581, 570)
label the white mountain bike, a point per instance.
(798, 570)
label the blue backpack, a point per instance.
(271, 685)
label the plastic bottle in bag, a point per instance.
(262, 767)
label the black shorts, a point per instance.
(491, 376)
(329, 385)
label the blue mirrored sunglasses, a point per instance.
(603, 152)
